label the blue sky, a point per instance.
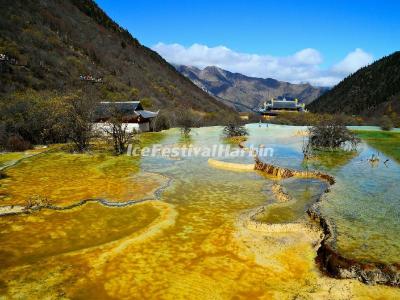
(265, 32)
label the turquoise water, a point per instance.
(364, 204)
(188, 245)
(285, 141)
(302, 192)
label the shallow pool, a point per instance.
(186, 243)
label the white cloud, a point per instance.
(308, 56)
(302, 66)
(353, 61)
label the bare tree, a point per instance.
(307, 149)
(161, 122)
(331, 134)
(79, 120)
(119, 131)
(185, 120)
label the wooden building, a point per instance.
(132, 112)
(274, 107)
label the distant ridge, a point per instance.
(246, 93)
(372, 91)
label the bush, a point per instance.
(118, 131)
(17, 143)
(3, 135)
(146, 102)
(311, 119)
(331, 134)
(386, 123)
(254, 118)
(161, 122)
(235, 130)
(185, 120)
(36, 118)
(79, 116)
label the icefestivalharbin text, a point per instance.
(216, 150)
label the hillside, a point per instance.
(246, 93)
(371, 91)
(51, 45)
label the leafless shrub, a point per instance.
(186, 120)
(307, 149)
(79, 118)
(118, 131)
(331, 134)
(161, 122)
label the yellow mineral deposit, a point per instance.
(192, 243)
(64, 179)
(11, 158)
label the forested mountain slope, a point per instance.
(372, 90)
(51, 45)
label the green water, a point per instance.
(185, 244)
(364, 204)
(303, 193)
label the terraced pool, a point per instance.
(188, 242)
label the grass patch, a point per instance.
(385, 141)
(10, 157)
(7, 158)
(235, 140)
(331, 159)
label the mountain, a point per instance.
(371, 91)
(51, 45)
(246, 93)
